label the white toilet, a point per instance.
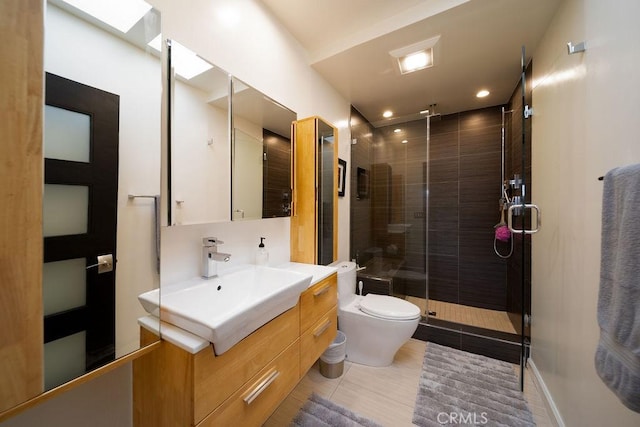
(376, 326)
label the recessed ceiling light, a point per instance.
(404, 141)
(397, 130)
(416, 56)
(482, 93)
(416, 61)
(119, 14)
(387, 114)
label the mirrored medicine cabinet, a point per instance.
(228, 146)
(197, 162)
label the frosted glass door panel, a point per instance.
(64, 359)
(67, 134)
(65, 209)
(64, 285)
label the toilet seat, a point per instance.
(387, 307)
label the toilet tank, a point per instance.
(346, 280)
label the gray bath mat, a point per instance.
(463, 388)
(320, 412)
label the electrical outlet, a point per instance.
(418, 214)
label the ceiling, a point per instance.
(348, 43)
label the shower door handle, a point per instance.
(510, 214)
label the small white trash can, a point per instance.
(332, 360)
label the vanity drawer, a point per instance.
(257, 399)
(218, 377)
(316, 340)
(317, 300)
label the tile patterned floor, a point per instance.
(386, 395)
(473, 316)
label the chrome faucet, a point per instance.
(210, 255)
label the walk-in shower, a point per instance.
(424, 207)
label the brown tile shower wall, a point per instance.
(464, 188)
(401, 170)
(361, 157)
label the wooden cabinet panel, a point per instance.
(303, 218)
(316, 340)
(217, 377)
(21, 86)
(314, 220)
(269, 387)
(163, 388)
(317, 300)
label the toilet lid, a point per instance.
(387, 307)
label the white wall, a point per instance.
(584, 111)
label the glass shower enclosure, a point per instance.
(425, 203)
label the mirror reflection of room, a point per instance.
(261, 155)
(102, 144)
(199, 139)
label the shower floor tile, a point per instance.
(473, 316)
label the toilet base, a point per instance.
(373, 341)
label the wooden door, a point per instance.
(80, 212)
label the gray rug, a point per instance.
(320, 412)
(460, 388)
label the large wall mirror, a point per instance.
(261, 155)
(102, 181)
(198, 143)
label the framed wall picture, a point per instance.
(342, 167)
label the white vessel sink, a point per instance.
(227, 308)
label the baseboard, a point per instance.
(552, 409)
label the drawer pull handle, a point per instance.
(322, 328)
(321, 291)
(261, 387)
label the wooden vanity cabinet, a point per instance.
(172, 387)
(318, 320)
(244, 385)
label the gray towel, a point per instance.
(618, 354)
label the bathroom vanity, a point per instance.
(184, 383)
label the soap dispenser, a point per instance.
(262, 256)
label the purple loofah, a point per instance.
(503, 234)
